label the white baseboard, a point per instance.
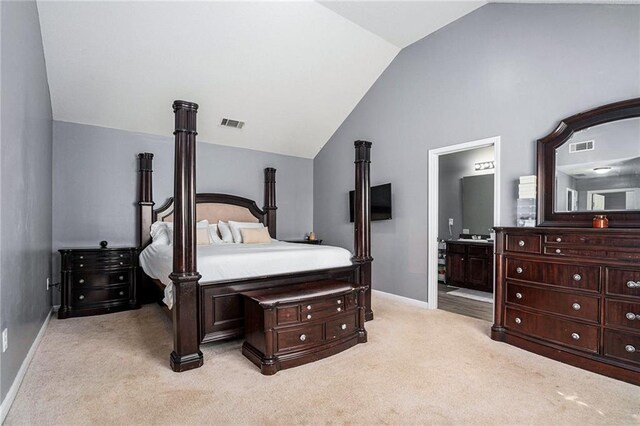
(407, 300)
(13, 390)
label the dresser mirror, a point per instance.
(591, 165)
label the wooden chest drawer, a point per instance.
(98, 260)
(623, 314)
(557, 274)
(590, 253)
(562, 303)
(591, 240)
(321, 314)
(104, 279)
(623, 282)
(553, 329)
(322, 304)
(623, 346)
(83, 297)
(523, 243)
(341, 326)
(288, 339)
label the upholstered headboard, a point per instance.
(216, 207)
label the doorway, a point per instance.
(466, 231)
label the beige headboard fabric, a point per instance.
(214, 212)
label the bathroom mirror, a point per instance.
(591, 165)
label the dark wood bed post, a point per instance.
(270, 200)
(186, 353)
(362, 224)
(145, 198)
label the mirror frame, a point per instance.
(546, 167)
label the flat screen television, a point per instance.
(380, 202)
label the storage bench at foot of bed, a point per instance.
(294, 325)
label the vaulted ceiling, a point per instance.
(293, 71)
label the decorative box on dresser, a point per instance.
(98, 281)
(571, 294)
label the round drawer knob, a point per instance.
(633, 284)
(518, 321)
(339, 301)
(521, 243)
(121, 277)
(518, 295)
(81, 281)
(122, 263)
(81, 297)
(576, 306)
(303, 337)
(81, 257)
(339, 309)
(343, 326)
(121, 293)
(577, 277)
(559, 240)
(630, 348)
(308, 307)
(575, 336)
(309, 316)
(122, 255)
(519, 270)
(558, 251)
(81, 265)
(631, 316)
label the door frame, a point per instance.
(432, 206)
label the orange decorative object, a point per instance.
(600, 221)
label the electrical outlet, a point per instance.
(5, 340)
(48, 284)
(450, 221)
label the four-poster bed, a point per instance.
(209, 311)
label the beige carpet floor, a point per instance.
(419, 367)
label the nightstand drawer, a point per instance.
(105, 279)
(79, 263)
(81, 297)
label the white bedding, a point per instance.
(222, 262)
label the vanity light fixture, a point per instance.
(485, 165)
(602, 170)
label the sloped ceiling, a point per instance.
(293, 71)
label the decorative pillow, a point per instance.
(255, 235)
(202, 233)
(213, 234)
(236, 226)
(225, 232)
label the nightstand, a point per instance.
(98, 281)
(316, 242)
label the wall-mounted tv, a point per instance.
(380, 202)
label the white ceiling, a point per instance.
(293, 71)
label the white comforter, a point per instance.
(222, 262)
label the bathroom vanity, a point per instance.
(470, 264)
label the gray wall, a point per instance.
(451, 169)
(95, 182)
(25, 176)
(512, 70)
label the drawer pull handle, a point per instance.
(559, 240)
(122, 263)
(631, 316)
(518, 295)
(309, 316)
(521, 243)
(519, 270)
(518, 321)
(81, 257)
(575, 336)
(81, 281)
(343, 326)
(308, 307)
(576, 306)
(303, 337)
(558, 251)
(339, 309)
(633, 284)
(122, 255)
(121, 277)
(81, 297)
(339, 301)
(81, 265)
(121, 293)
(630, 348)
(577, 277)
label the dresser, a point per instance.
(572, 294)
(98, 281)
(293, 325)
(470, 265)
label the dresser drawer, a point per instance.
(565, 332)
(322, 304)
(624, 282)
(623, 346)
(88, 279)
(523, 243)
(591, 240)
(558, 274)
(556, 302)
(591, 253)
(623, 314)
(338, 327)
(82, 297)
(293, 338)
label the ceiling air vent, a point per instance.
(235, 124)
(581, 146)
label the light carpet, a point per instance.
(419, 367)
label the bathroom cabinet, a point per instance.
(470, 265)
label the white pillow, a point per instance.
(168, 228)
(213, 234)
(225, 232)
(160, 233)
(237, 226)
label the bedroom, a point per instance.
(75, 115)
